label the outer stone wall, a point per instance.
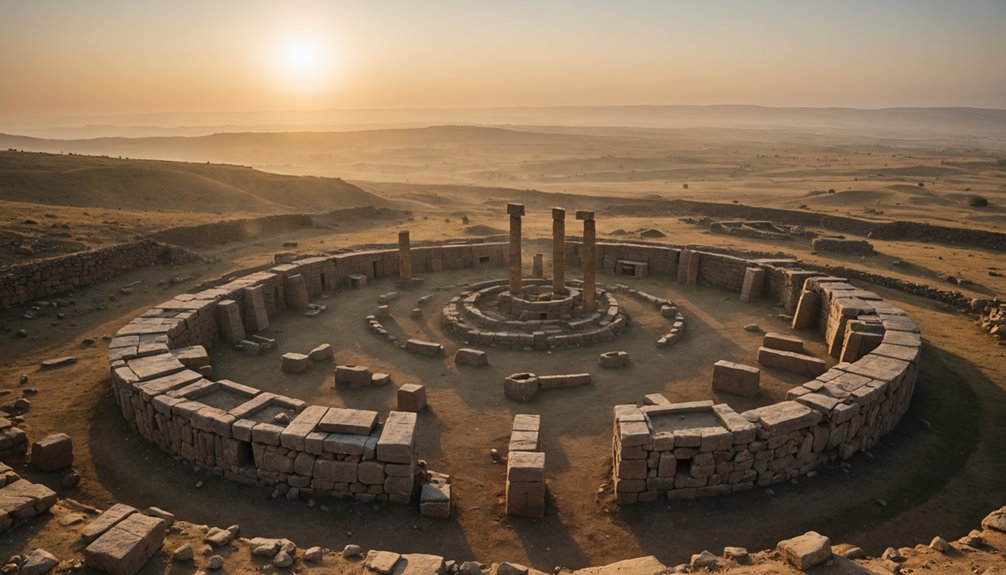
(843, 411)
(252, 436)
(45, 278)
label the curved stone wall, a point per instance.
(687, 450)
(253, 436)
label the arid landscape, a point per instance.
(594, 290)
(939, 472)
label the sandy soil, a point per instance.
(939, 471)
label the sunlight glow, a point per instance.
(303, 62)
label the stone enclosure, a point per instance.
(659, 449)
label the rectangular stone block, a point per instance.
(397, 441)
(296, 293)
(229, 323)
(255, 309)
(124, 549)
(526, 466)
(351, 421)
(754, 282)
(792, 362)
(783, 342)
(736, 378)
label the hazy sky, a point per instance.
(70, 57)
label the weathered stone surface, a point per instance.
(648, 565)
(468, 356)
(614, 359)
(526, 466)
(805, 551)
(398, 438)
(106, 521)
(382, 562)
(52, 452)
(412, 397)
(995, 520)
(352, 375)
(435, 500)
(351, 421)
(419, 564)
(521, 386)
(736, 378)
(783, 342)
(784, 417)
(792, 362)
(294, 363)
(424, 347)
(125, 548)
(321, 352)
(38, 562)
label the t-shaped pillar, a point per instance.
(404, 257)
(588, 260)
(558, 250)
(516, 211)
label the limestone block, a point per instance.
(321, 353)
(468, 356)
(52, 452)
(783, 342)
(435, 497)
(736, 378)
(349, 421)
(255, 309)
(125, 548)
(398, 437)
(525, 498)
(192, 357)
(805, 551)
(411, 397)
(424, 347)
(521, 386)
(793, 362)
(614, 359)
(807, 310)
(106, 521)
(294, 363)
(754, 282)
(526, 466)
(229, 321)
(386, 298)
(353, 375)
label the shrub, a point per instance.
(978, 202)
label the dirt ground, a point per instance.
(938, 472)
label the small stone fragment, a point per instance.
(939, 544)
(352, 550)
(214, 562)
(183, 553)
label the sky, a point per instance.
(108, 57)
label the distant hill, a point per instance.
(88, 181)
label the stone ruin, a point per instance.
(660, 449)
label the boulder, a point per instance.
(805, 551)
(294, 363)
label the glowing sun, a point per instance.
(304, 62)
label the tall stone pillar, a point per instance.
(404, 257)
(516, 211)
(558, 250)
(588, 261)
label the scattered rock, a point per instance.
(652, 233)
(352, 550)
(312, 554)
(995, 520)
(752, 327)
(168, 517)
(214, 562)
(738, 554)
(892, 554)
(37, 562)
(511, 569)
(805, 551)
(183, 553)
(470, 568)
(705, 560)
(848, 551)
(282, 559)
(939, 544)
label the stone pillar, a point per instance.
(588, 261)
(516, 211)
(404, 257)
(754, 283)
(538, 267)
(255, 310)
(296, 293)
(558, 250)
(232, 330)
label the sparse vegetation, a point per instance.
(978, 202)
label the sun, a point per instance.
(303, 62)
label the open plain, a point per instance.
(909, 188)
